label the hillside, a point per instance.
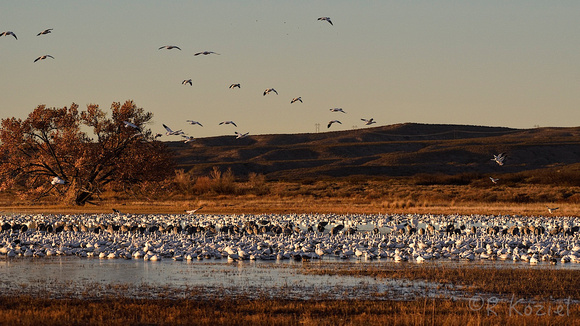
(391, 151)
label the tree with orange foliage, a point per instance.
(50, 153)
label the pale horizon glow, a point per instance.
(494, 63)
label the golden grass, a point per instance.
(539, 284)
(285, 205)
(341, 197)
(26, 310)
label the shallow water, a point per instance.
(88, 278)
(92, 278)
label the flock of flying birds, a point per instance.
(187, 138)
(499, 158)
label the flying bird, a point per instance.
(188, 139)
(326, 18)
(129, 124)
(268, 90)
(228, 123)
(57, 181)
(192, 211)
(240, 135)
(552, 209)
(169, 47)
(232, 86)
(494, 180)
(171, 132)
(8, 33)
(205, 53)
(369, 121)
(194, 122)
(337, 110)
(187, 81)
(46, 31)
(299, 98)
(499, 158)
(331, 122)
(42, 57)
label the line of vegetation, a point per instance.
(26, 310)
(539, 284)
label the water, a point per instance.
(90, 278)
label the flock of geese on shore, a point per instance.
(193, 236)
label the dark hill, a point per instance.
(395, 150)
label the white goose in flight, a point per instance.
(296, 99)
(205, 53)
(552, 209)
(171, 132)
(369, 121)
(494, 180)
(268, 90)
(499, 158)
(240, 135)
(228, 123)
(169, 47)
(192, 211)
(188, 139)
(337, 110)
(327, 19)
(129, 124)
(57, 181)
(187, 81)
(331, 122)
(44, 32)
(42, 57)
(192, 122)
(232, 86)
(8, 33)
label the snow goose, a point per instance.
(57, 181)
(337, 110)
(240, 135)
(552, 209)
(369, 121)
(188, 139)
(42, 57)
(499, 158)
(326, 19)
(129, 124)
(228, 123)
(296, 99)
(8, 33)
(169, 47)
(192, 122)
(268, 90)
(44, 32)
(205, 53)
(171, 132)
(331, 122)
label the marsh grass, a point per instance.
(26, 310)
(539, 284)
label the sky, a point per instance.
(494, 63)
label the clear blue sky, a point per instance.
(497, 63)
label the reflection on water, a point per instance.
(71, 276)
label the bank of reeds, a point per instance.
(532, 283)
(25, 310)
